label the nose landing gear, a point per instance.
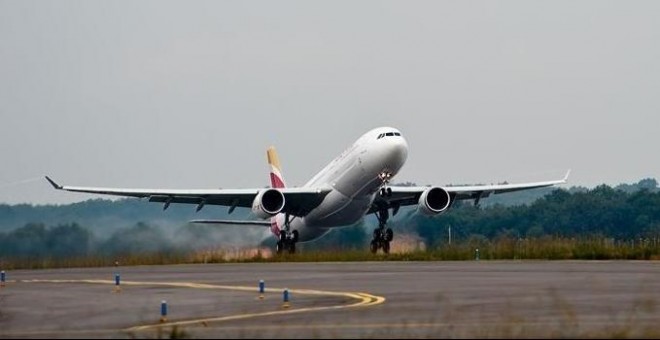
(385, 191)
(382, 236)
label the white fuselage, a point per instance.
(355, 177)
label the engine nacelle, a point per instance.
(434, 201)
(268, 203)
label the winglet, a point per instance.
(55, 185)
(566, 177)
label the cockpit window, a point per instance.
(388, 134)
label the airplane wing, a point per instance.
(403, 196)
(298, 201)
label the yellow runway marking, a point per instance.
(363, 300)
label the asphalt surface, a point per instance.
(512, 299)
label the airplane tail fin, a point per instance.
(276, 180)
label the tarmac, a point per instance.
(464, 299)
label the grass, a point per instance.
(544, 248)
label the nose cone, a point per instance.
(390, 155)
(398, 152)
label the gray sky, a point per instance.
(190, 94)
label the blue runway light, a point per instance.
(163, 311)
(285, 297)
(261, 289)
(117, 284)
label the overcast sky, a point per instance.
(190, 94)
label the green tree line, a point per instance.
(602, 211)
(113, 228)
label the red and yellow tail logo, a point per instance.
(276, 180)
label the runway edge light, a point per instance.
(2, 278)
(117, 282)
(261, 289)
(163, 311)
(285, 297)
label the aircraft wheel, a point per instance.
(373, 246)
(295, 236)
(279, 247)
(377, 234)
(389, 235)
(386, 247)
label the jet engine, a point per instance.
(434, 201)
(268, 203)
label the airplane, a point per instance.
(355, 184)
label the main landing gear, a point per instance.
(288, 238)
(382, 236)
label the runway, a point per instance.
(330, 300)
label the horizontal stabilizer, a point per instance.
(230, 222)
